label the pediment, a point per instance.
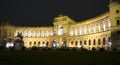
(63, 20)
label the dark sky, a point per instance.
(42, 12)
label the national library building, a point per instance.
(102, 31)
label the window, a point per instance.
(30, 43)
(118, 22)
(34, 43)
(104, 41)
(117, 11)
(39, 44)
(43, 43)
(76, 43)
(85, 42)
(98, 41)
(72, 43)
(80, 42)
(47, 43)
(94, 42)
(89, 42)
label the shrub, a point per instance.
(101, 49)
(23, 48)
(114, 49)
(34, 48)
(84, 49)
(94, 49)
(1, 47)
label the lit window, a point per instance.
(80, 32)
(104, 27)
(94, 30)
(60, 30)
(84, 31)
(99, 28)
(109, 24)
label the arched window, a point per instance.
(84, 42)
(47, 43)
(30, 43)
(43, 43)
(89, 42)
(71, 42)
(94, 42)
(104, 40)
(35, 43)
(76, 43)
(98, 41)
(80, 42)
(39, 44)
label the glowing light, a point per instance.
(15, 34)
(80, 32)
(60, 30)
(99, 28)
(79, 46)
(109, 43)
(84, 31)
(25, 34)
(104, 27)
(94, 29)
(47, 34)
(70, 45)
(8, 45)
(42, 34)
(89, 30)
(54, 44)
(29, 33)
(76, 32)
(38, 33)
(33, 34)
(58, 45)
(44, 45)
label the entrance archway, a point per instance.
(63, 43)
(54, 43)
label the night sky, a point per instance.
(42, 12)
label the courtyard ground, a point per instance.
(52, 57)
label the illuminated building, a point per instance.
(99, 32)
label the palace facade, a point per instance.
(102, 31)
